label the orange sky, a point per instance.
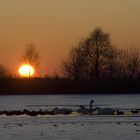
(56, 25)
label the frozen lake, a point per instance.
(43, 101)
(69, 127)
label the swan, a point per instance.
(105, 111)
(91, 104)
(120, 112)
(84, 110)
(134, 111)
(64, 111)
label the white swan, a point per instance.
(105, 111)
(65, 111)
(84, 110)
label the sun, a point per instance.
(26, 70)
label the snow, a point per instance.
(73, 126)
(70, 128)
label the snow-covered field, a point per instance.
(70, 128)
(73, 126)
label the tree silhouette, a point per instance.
(129, 63)
(3, 71)
(73, 67)
(98, 45)
(31, 55)
(110, 68)
(95, 58)
(87, 60)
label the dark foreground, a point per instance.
(9, 86)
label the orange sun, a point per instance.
(26, 70)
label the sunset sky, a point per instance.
(54, 26)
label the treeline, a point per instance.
(95, 58)
(25, 86)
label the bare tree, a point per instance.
(96, 49)
(110, 69)
(74, 66)
(3, 71)
(31, 55)
(129, 61)
(97, 44)
(87, 59)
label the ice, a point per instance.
(42, 101)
